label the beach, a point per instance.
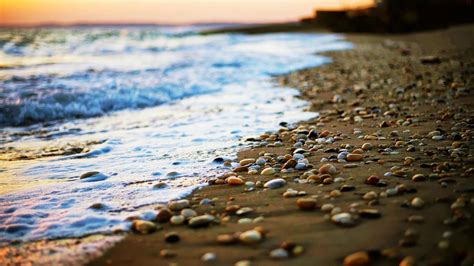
(395, 127)
(382, 176)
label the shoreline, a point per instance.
(378, 223)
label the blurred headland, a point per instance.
(386, 16)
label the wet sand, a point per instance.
(411, 98)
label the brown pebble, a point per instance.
(353, 157)
(163, 215)
(234, 181)
(306, 204)
(328, 169)
(360, 258)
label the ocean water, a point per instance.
(142, 105)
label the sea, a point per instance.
(154, 109)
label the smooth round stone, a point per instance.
(418, 178)
(209, 256)
(306, 204)
(243, 263)
(247, 161)
(417, 219)
(201, 221)
(177, 219)
(226, 239)
(234, 181)
(245, 221)
(250, 237)
(261, 161)
(300, 166)
(143, 227)
(417, 203)
(370, 195)
(370, 213)
(353, 157)
(290, 194)
(391, 192)
(289, 164)
(343, 218)
(268, 171)
(278, 254)
(360, 258)
(367, 146)
(342, 155)
(177, 205)
(275, 183)
(328, 169)
(327, 207)
(163, 215)
(206, 202)
(172, 237)
(188, 213)
(243, 211)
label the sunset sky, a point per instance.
(162, 11)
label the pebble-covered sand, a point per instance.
(384, 176)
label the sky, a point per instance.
(162, 11)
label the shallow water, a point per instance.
(142, 105)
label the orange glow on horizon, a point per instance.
(163, 11)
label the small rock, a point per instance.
(327, 207)
(226, 239)
(306, 204)
(328, 169)
(163, 215)
(268, 171)
(370, 213)
(201, 221)
(360, 258)
(188, 213)
(279, 253)
(167, 253)
(143, 227)
(417, 203)
(177, 205)
(234, 181)
(352, 157)
(343, 218)
(290, 164)
(177, 219)
(209, 256)
(247, 161)
(93, 176)
(243, 211)
(250, 237)
(275, 183)
(418, 178)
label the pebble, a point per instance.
(234, 181)
(343, 218)
(172, 237)
(290, 193)
(417, 203)
(352, 157)
(201, 221)
(275, 183)
(250, 237)
(367, 146)
(167, 253)
(328, 169)
(243, 263)
(163, 215)
(360, 258)
(226, 239)
(177, 219)
(418, 177)
(209, 256)
(306, 204)
(370, 195)
(93, 176)
(268, 171)
(247, 161)
(279, 253)
(177, 205)
(143, 227)
(418, 219)
(188, 213)
(289, 164)
(327, 207)
(206, 202)
(243, 211)
(370, 213)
